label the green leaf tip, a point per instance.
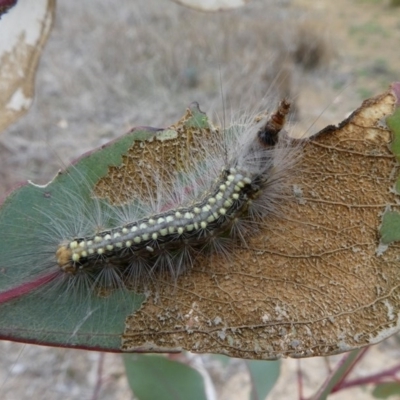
(390, 228)
(393, 122)
(198, 118)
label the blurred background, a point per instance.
(110, 66)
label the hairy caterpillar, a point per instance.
(214, 204)
(78, 297)
(85, 280)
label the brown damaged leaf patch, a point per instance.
(311, 284)
(163, 151)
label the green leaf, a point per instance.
(198, 119)
(390, 228)
(386, 390)
(157, 377)
(46, 318)
(263, 376)
(393, 122)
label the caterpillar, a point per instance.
(235, 191)
(229, 182)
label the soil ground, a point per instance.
(108, 68)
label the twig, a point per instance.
(347, 362)
(99, 380)
(375, 378)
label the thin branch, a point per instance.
(300, 380)
(360, 355)
(375, 378)
(347, 362)
(99, 380)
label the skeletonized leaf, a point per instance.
(316, 281)
(23, 32)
